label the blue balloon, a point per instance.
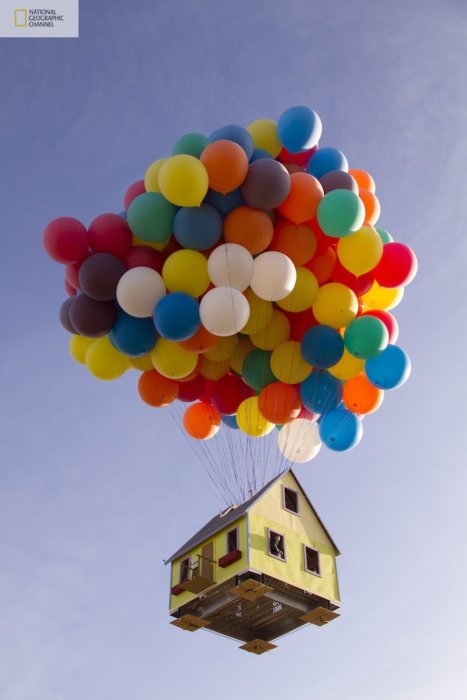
(122, 214)
(233, 132)
(390, 369)
(326, 160)
(258, 153)
(340, 429)
(177, 316)
(225, 203)
(133, 336)
(230, 421)
(321, 392)
(299, 129)
(322, 346)
(198, 228)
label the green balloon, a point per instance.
(256, 369)
(366, 337)
(190, 144)
(385, 235)
(341, 213)
(150, 217)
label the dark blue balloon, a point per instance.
(258, 153)
(320, 391)
(299, 129)
(133, 336)
(322, 346)
(230, 421)
(225, 203)
(177, 316)
(198, 228)
(390, 369)
(233, 132)
(326, 160)
(340, 429)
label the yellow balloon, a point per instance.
(361, 251)
(172, 361)
(265, 136)
(186, 271)
(260, 314)
(288, 364)
(213, 370)
(79, 346)
(303, 294)
(382, 298)
(151, 175)
(183, 180)
(104, 361)
(336, 305)
(223, 350)
(149, 244)
(250, 420)
(276, 332)
(348, 366)
(244, 347)
(143, 363)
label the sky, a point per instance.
(96, 489)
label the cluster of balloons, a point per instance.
(247, 278)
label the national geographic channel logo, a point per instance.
(23, 21)
(37, 18)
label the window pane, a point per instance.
(232, 540)
(312, 560)
(291, 500)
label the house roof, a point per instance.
(219, 522)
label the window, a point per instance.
(312, 564)
(184, 569)
(232, 540)
(290, 500)
(276, 545)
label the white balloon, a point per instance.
(224, 311)
(299, 440)
(274, 276)
(139, 290)
(230, 265)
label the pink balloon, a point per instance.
(397, 267)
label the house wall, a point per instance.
(220, 548)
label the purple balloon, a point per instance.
(90, 317)
(338, 180)
(65, 315)
(267, 184)
(99, 275)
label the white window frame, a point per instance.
(313, 549)
(275, 556)
(227, 540)
(294, 512)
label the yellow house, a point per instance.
(259, 570)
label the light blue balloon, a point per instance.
(177, 316)
(238, 134)
(133, 336)
(326, 160)
(321, 392)
(258, 153)
(299, 129)
(340, 429)
(198, 228)
(390, 369)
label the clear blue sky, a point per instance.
(93, 493)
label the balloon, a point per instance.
(151, 176)
(192, 144)
(274, 276)
(201, 421)
(90, 317)
(79, 346)
(177, 316)
(226, 164)
(340, 213)
(157, 390)
(133, 191)
(250, 420)
(347, 367)
(144, 256)
(322, 264)
(171, 360)
(260, 316)
(223, 349)
(142, 363)
(237, 134)
(338, 180)
(250, 228)
(109, 233)
(360, 396)
(186, 271)
(265, 136)
(201, 341)
(382, 298)
(139, 290)
(230, 421)
(183, 180)
(384, 235)
(225, 203)
(198, 228)
(372, 206)
(326, 160)
(224, 311)
(321, 392)
(366, 337)
(299, 128)
(230, 265)
(279, 403)
(300, 323)
(228, 393)
(364, 179)
(191, 390)
(150, 217)
(335, 306)
(340, 430)
(267, 184)
(298, 242)
(104, 361)
(390, 369)
(99, 275)
(360, 284)
(299, 440)
(70, 290)
(65, 315)
(288, 363)
(322, 346)
(244, 347)
(133, 336)
(214, 370)
(360, 252)
(388, 320)
(304, 197)
(304, 293)
(397, 266)
(299, 160)
(277, 331)
(66, 240)
(256, 369)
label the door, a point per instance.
(207, 557)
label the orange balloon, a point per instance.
(201, 341)
(251, 228)
(157, 390)
(372, 206)
(305, 194)
(364, 179)
(297, 242)
(227, 165)
(322, 265)
(201, 421)
(360, 396)
(279, 403)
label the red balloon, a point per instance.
(228, 393)
(397, 267)
(301, 158)
(206, 395)
(133, 191)
(66, 240)
(192, 390)
(109, 233)
(72, 272)
(300, 323)
(143, 256)
(309, 415)
(388, 320)
(70, 290)
(360, 285)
